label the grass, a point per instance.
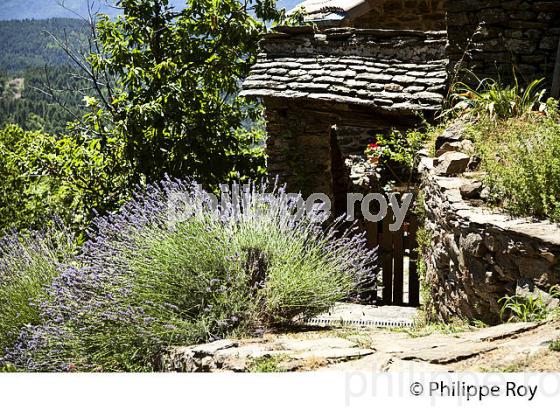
(528, 308)
(554, 345)
(423, 327)
(544, 361)
(494, 99)
(268, 364)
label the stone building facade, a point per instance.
(328, 94)
(366, 66)
(424, 15)
(493, 36)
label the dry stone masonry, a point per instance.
(514, 33)
(479, 255)
(328, 93)
(368, 66)
(388, 70)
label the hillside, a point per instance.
(43, 9)
(26, 44)
(26, 51)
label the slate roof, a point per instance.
(386, 70)
(332, 10)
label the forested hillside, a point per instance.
(27, 43)
(32, 66)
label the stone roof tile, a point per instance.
(361, 69)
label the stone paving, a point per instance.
(372, 349)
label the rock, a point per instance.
(209, 349)
(412, 367)
(454, 146)
(316, 344)
(474, 162)
(503, 331)
(526, 288)
(451, 352)
(473, 244)
(452, 163)
(467, 147)
(453, 133)
(198, 358)
(331, 355)
(471, 190)
(485, 193)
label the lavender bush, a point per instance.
(149, 279)
(28, 262)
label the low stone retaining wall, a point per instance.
(477, 255)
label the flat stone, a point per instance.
(209, 349)
(452, 163)
(451, 352)
(334, 354)
(412, 367)
(315, 344)
(453, 146)
(471, 190)
(251, 351)
(500, 331)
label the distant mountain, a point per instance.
(43, 9)
(26, 44)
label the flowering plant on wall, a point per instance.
(374, 152)
(396, 153)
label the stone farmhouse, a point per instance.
(364, 66)
(360, 68)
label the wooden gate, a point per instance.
(398, 256)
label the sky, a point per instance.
(41, 9)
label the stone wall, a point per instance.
(422, 15)
(523, 33)
(477, 256)
(318, 146)
(327, 94)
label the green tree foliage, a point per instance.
(47, 100)
(163, 100)
(67, 176)
(174, 99)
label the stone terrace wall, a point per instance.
(423, 15)
(478, 256)
(520, 32)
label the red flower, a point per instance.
(374, 151)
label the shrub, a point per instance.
(554, 345)
(148, 282)
(43, 175)
(495, 99)
(522, 159)
(27, 264)
(398, 151)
